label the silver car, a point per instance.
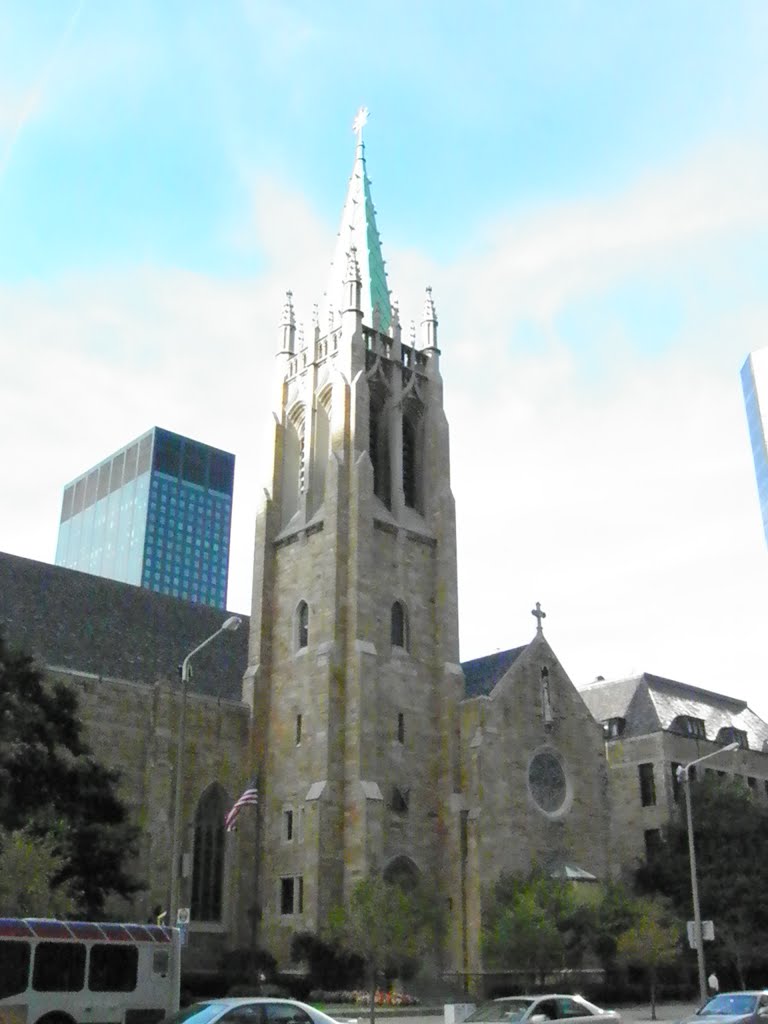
(541, 1009)
(250, 1010)
(733, 1008)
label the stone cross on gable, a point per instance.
(538, 614)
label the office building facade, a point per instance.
(156, 514)
(754, 381)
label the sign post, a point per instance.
(707, 932)
(182, 923)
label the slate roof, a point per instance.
(482, 674)
(650, 703)
(70, 619)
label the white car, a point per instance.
(541, 1010)
(250, 1010)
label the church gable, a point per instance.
(534, 770)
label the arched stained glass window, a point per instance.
(208, 861)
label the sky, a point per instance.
(582, 183)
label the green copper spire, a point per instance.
(358, 228)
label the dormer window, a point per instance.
(688, 726)
(613, 728)
(729, 734)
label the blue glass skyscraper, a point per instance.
(157, 514)
(754, 380)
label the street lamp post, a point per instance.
(228, 626)
(684, 776)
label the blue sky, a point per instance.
(582, 183)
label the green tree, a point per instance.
(383, 924)
(52, 787)
(536, 923)
(524, 936)
(731, 835)
(28, 866)
(613, 912)
(652, 942)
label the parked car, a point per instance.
(250, 1010)
(733, 1008)
(541, 1009)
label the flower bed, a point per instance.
(356, 997)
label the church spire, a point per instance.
(358, 229)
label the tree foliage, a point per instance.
(538, 924)
(528, 924)
(28, 866)
(53, 788)
(731, 836)
(383, 923)
(330, 966)
(653, 941)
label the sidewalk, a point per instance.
(664, 1012)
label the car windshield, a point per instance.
(724, 1004)
(500, 1010)
(197, 1013)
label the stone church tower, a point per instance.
(353, 672)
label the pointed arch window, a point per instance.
(302, 481)
(410, 493)
(378, 443)
(302, 625)
(399, 626)
(208, 859)
(294, 462)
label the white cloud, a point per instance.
(625, 504)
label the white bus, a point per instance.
(79, 972)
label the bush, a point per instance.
(295, 986)
(329, 966)
(249, 968)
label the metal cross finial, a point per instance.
(538, 614)
(361, 119)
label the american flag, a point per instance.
(250, 795)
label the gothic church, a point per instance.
(374, 749)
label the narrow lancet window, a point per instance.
(302, 625)
(410, 494)
(399, 629)
(302, 458)
(378, 444)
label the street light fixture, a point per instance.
(228, 626)
(684, 776)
